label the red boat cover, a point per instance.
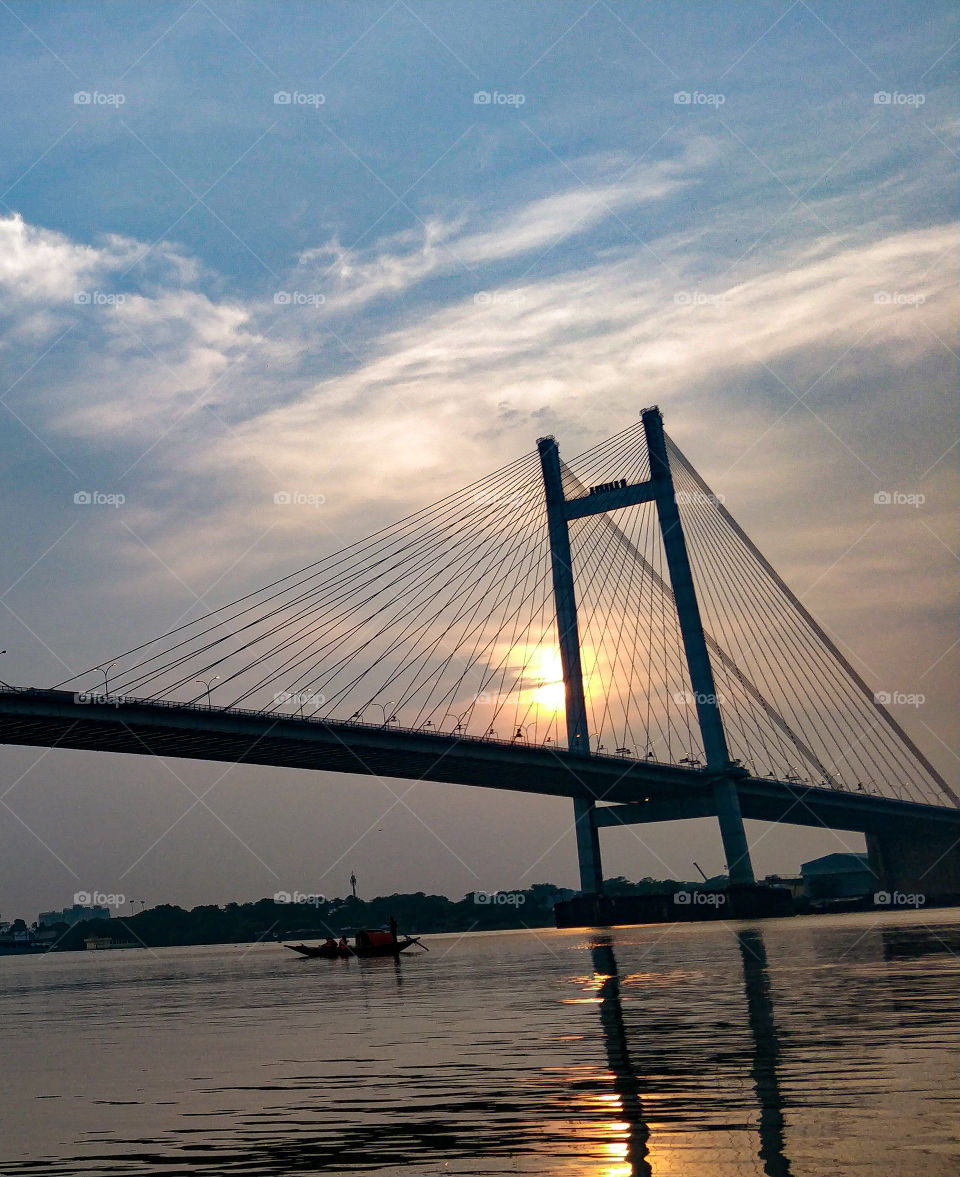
(378, 939)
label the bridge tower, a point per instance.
(568, 636)
(658, 489)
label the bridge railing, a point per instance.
(111, 700)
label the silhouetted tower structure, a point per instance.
(658, 489)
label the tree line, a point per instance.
(267, 919)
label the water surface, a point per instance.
(805, 1047)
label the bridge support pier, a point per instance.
(916, 859)
(732, 833)
(588, 847)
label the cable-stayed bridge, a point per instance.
(601, 629)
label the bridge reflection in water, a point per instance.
(634, 1153)
(625, 1053)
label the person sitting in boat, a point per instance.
(329, 942)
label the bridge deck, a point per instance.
(646, 791)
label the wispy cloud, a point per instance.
(394, 265)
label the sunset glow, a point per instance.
(549, 695)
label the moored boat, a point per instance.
(366, 943)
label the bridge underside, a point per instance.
(55, 719)
(634, 791)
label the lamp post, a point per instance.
(105, 673)
(208, 683)
(308, 696)
(383, 707)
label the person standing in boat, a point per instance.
(393, 928)
(343, 945)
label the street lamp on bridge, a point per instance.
(358, 715)
(305, 696)
(106, 680)
(459, 725)
(208, 683)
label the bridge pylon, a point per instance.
(659, 489)
(726, 799)
(568, 637)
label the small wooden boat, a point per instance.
(367, 943)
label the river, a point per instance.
(809, 1047)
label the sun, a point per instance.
(550, 697)
(550, 694)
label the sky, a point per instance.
(370, 251)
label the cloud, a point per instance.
(403, 260)
(37, 264)
(219, 403)
(40, 265)
(147, 361)
(135, 349)
(594, 337)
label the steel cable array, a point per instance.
(444, 621)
